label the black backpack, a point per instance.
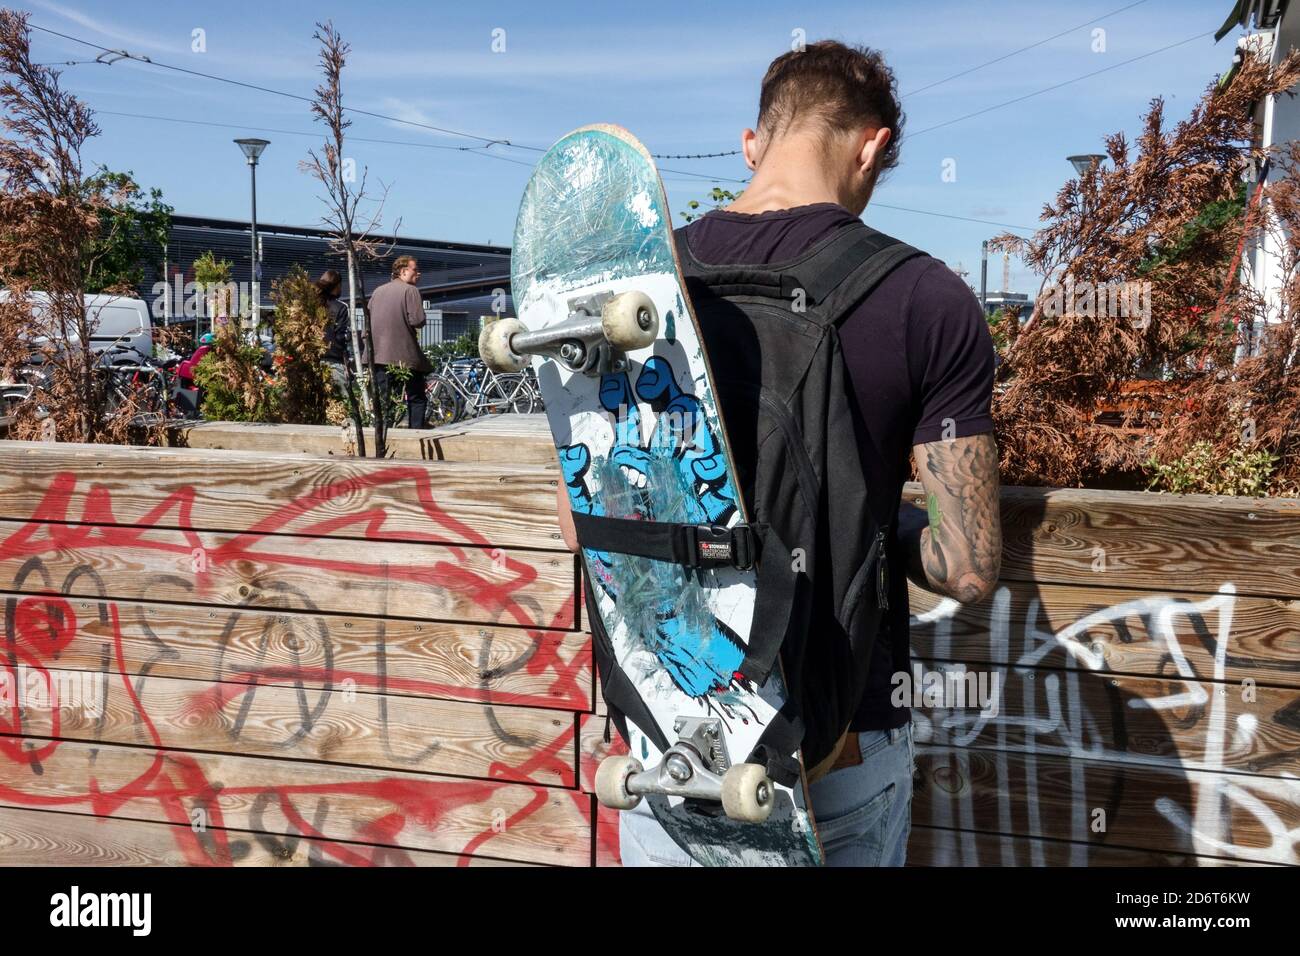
(774, 353)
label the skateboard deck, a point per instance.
(642, 437)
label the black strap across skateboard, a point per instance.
(690, 545)
(704, 546)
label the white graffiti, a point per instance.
(1210, 780)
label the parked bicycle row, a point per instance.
(162, 389)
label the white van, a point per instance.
(122, 319)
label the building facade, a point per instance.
(459, 283)
(1275, 30)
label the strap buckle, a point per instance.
(711, 545)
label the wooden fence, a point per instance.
(271, 658)
(1147, 654)
(275, 659)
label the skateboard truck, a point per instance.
(592, 340)
(696, 768)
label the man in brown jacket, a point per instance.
(396, 311)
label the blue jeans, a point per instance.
(863, 812)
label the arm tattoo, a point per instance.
(961, 549)
(934, 514)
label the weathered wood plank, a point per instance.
(507, 586)
(1183, 811)
(1156, 633)
(284, 798)
(404, 733)
(41, 838)
(929, 846)
(1143, 540)
(456, 661)
(479, 440)
(592, 749)
(1173, 724)
(497, 504)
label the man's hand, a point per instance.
(955, 546)
(562, 511)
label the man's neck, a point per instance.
(791, 173)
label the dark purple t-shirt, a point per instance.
(919, 356)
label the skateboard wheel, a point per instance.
(611, 782)
(494, 346)
(630, 321)
(747, 793)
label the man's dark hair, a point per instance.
(837, 87)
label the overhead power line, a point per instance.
(1023, 49)
(1057, 86)
(148, 61)
(504, 159)
(930, 86)
(485, 141)
(470, 150)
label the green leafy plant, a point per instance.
(459, 347)
(1202, 470)
(213, 277)
(717, 198)
(131, 221)
(235, 388)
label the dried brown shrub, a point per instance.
(1159, 214)
(50, 217)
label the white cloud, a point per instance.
(105, 31)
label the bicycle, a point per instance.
(135, 381)
(27, 380)
(467, 388)
(129, 380)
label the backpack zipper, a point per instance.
(882, 571)
(875, 553)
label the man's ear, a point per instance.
(749, 147)
(873, 147)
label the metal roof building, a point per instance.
(459, 280)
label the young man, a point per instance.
(919, 359)
(396, 311)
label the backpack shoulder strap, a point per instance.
(841, 278)
(835, 273)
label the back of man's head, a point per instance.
(830, 88)
(401, 264)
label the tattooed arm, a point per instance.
(955, 547)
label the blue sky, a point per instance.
(683, 76)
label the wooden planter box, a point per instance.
(278, 658)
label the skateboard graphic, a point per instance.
(603, 316)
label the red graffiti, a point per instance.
(41, 627)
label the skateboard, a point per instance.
(604, 318)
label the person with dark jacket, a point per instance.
(396, 311)
(338, 341)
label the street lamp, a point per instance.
(984, 275)
(252, 148)
(1085, 161)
